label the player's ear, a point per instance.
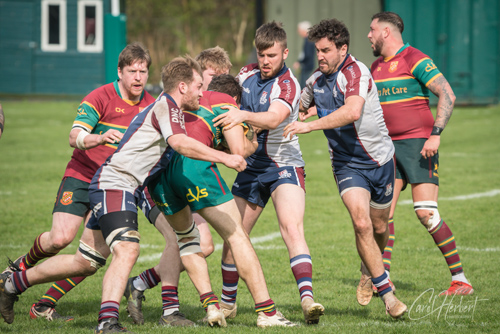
(183, 88)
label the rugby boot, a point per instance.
(312, 311)
(111, 326)
(228, 309)
(393, 306)
(458, 288)
(7, 300)
(278, 319)
(47, 312)
(176, 319)
(134, 301)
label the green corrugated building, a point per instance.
(59, 46)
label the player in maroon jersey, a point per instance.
(102, 118)
(404, 76)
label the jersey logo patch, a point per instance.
(388, 189)
(263, 98)
(200, 193)
(284, 175)
(67, 198)
(393, 67)
(430, 67)
(120, 110)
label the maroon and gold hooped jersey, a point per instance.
(101, 110)
(402, 82)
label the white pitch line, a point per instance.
(255, 241)
(490, 193)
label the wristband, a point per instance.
(436, 131)
(80, 143)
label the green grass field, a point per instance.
(34, 152)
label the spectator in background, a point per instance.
(307, 56)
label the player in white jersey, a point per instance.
(361, 150)
(145, 148)
(276, 170)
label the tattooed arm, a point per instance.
(446, 100)
(441, 88)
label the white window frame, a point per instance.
(98, 46)
(62, 46)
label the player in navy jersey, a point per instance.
(276, 170)
(361, 150)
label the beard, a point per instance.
(191, 103)
(377, 48)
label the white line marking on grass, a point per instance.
(255, 241)
(490, 193)
(470, 249)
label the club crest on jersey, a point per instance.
(388, 189)
(67, 198)
(263, 98)
(284, 174)
(393, 66)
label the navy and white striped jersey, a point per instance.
(364, 143)
(274, 150)
(144, 149)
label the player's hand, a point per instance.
(233, 117)
(303, 115)
(235, 161)
(431, 147)
(111, 136)
(296, 128)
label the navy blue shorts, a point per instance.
(257, 186)
(379, 181)
(142, 198)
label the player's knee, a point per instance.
(207, 248)
(94, 258)
(362, 226)
(121, 226)
(428, 214)
(189, 240)
(60, 241)
(379, 228)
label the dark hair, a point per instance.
(179, 70)
(391, 18)
(226, 83)
(333, 29)
(132, 53)
(268, 34)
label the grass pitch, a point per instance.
(34, 152)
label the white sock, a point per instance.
(139, 284)
(170, 311)
(460, 277)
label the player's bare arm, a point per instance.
(446, 100)
(194, 149)
(239, 143)
(266, 120)
(83, 140)
(347, 114)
